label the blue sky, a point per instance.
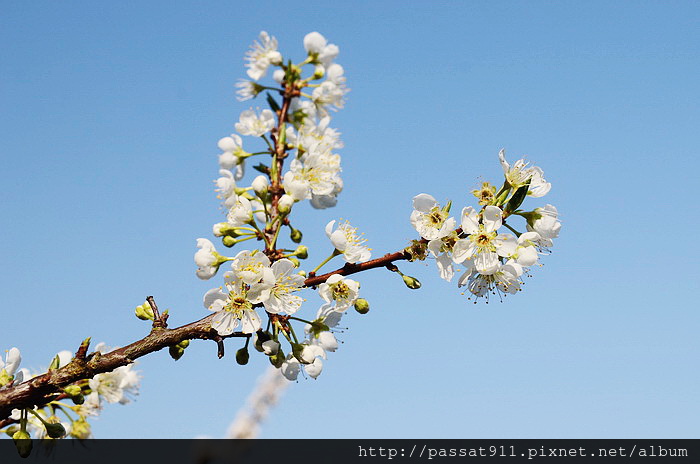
(111, 113)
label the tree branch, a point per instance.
(44, 388)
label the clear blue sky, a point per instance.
(110, 116)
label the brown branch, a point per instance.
(349, 269)
(42, 389)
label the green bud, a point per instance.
(144, 312)
(176, 352)
(302, 252)
(23, 443)
(228, 241)
(411, 282)
(278, 359)
(184, 344)
(73, 390)
(55, 362)
(54, 430)
(78, 399)
(294, 260)
(11, 430)
(295, 235)
(242, 356)
(361, 306)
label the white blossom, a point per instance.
(251, 266)
(546, 225)
(260, 184)
(290, 368)
(520, 173)
(246, 90)
(231, 307)
(429, 220)
(251, 124)
(207, 259)
(116, 386)
(345, 239)
(241, 211)
(484, 244)
(277, 295)
(261, 55)
(344, 292)
(503, 279)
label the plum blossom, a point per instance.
(261, 55)
(431, 221)
(484, 244)
(519, 174)
(344, 238)
(251, 124)
(207, 259)
(344, 292)
(232, 307)
(277, 293)
(546, 224)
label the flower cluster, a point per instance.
(267, 282)
(495, 259)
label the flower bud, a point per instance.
(271, 347)
(260, 184)
(73, 390)
(78, 399)
(296, 236)
(411, 282)
(278, 359)
(319, 72)
(23, 443)
(54, 430)
(301, 252)
(278, 76)
(294, 261)
(361, 306)
(144, 312)
(228, 241)
(176, 352)
(242, 356)
(184, 344)
(285, 203)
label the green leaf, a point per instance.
(272, 102)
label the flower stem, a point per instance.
(333, 255)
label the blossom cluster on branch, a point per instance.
(260, 298)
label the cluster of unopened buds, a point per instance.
(298, 163)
